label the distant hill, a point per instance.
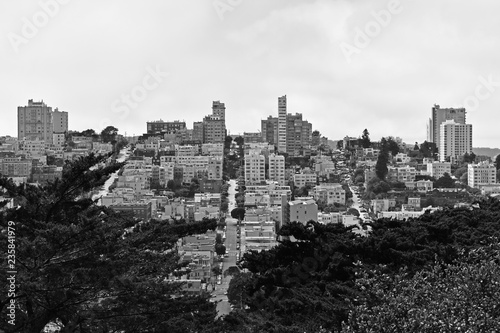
(491, 152)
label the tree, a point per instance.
(238, 213)
(381, 169)
(220, 249)
(365, 139)
(459, 172)
(444, 182)
(315, 138)
(109, 134)
(239, 141)
(236, 294)
(216, 270)
(429, 149)
(497, 162)
(392, 146)
(353, 211)
(227, 142)
(462, 296)
(93, 269)
(88, 133)
(416, 147)
(218, 239)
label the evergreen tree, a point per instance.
(92, 269)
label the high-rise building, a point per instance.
(219, 110)
(269, 130)
(214, 129)
(59, 121)
(482, 173)
(298, 135)
(255, 169)
(34, 121)
(198, 131)
(277, 168)
(455, 140)
(439, 116)
(282, 124)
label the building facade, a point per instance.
(277, 169)
(34, 122)
(282, 123)
(255, 169)
(439, 116)
(456, 140)
(480, 174)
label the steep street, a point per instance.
(223, 307)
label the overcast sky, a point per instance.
(87, 56)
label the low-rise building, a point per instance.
(480, 174)
(438, 169)
(420, 185)
(140, 210)
(303, 179)
(330, 193)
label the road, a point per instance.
(356, 205)
(122, 157)
(223, 306)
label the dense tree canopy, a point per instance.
(310, 284)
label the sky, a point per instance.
(345, 65)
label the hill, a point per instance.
(491, 152)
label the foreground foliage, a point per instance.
(91, 269)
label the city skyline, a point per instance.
(177, 58)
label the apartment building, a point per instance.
(482, 173)
(298, 135)
(330, 193)
(439, 116)
(438, 169)
(301, 211)
(455, 140)
(277, 169)
(269, 130)
(255, 169)
(160, 126)
(303, 179)
(16, 167)
(34, 122)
